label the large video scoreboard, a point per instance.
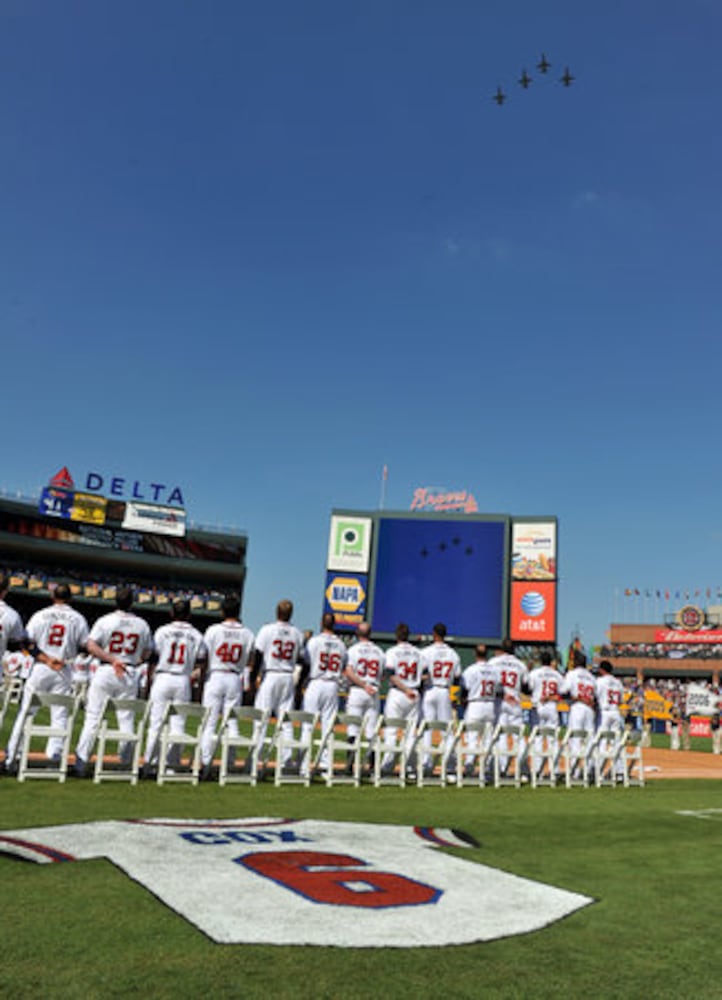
(486, 576)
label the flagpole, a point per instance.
(384, 480)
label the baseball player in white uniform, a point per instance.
(119, 642)
(56, 635)
(12, 633)
(482, 690)
(545, 685)
(180, 653)
(278, 650)
(580, 687)
(441, 665)
(230, 645)
(513, 674)
(365, 670)
(326, 663)
(610, 695)
(404, 670)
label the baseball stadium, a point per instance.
(501, 861)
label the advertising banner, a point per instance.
(155, 519)
(349, 543)
(55, 502)
(674, 635)
(533, 550)
(345, 596)
(533, 612)
(88, 508)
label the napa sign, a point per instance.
(121, 488)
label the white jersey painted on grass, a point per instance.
(285, 882)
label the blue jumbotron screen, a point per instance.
(449, 571)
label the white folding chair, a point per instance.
(38, 726)
(438, 749)
(243, 737)
(508, 749)
(11, 694)
(336, 740)
(472, 740)
(294, 735)
(577, 763)
(394, 737)
(543, 748)
(632, 760)
(127, 737)
(175, 735)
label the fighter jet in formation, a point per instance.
(525, 80)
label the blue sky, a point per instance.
(261, 250)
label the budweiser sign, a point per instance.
(711, 636)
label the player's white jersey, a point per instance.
(11, 627)
(125, 635)
(178, 646)
(326, 656)
(481, 681)
(17, 664)
(610, 693)
(404, 661)
(367, 660)
(59, 631)
(441, 663)
(309, 882)
(545, 684)
(580, 686)
(281, 644)
(512, 673)
(229, 646)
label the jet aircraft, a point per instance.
(567, 78)
(525, 80)
(499, 96)
(543, 65)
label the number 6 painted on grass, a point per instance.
(337, 879)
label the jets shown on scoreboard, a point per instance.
(525, 80)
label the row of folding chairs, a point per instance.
(297, 749)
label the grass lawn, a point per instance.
(86, 930)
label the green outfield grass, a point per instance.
(86, 930)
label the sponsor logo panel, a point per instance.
(533, 611)
(349, 543)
